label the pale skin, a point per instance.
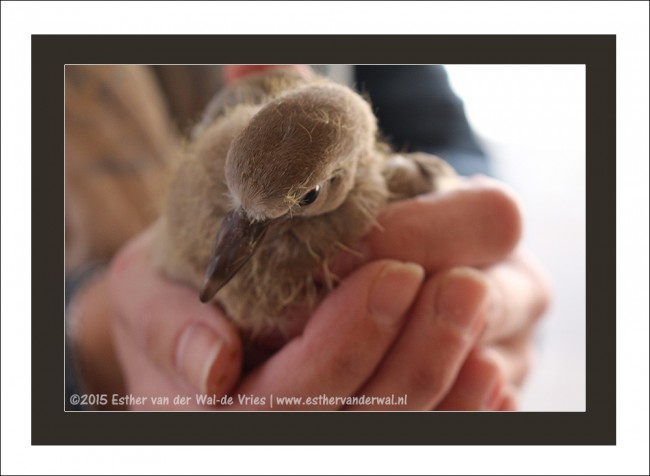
(438, 304)
(452, 332)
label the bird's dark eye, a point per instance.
(310, 197)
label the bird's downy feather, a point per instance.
(264, 143)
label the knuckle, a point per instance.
(434, 376)
(510, 401)
(429, 381)
(159, 336)
(543, 289)
(348, 363)
(523, 365)
(492, 366)
(541, 305)
(492, 363)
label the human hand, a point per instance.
(237, 71)
(448, 238)
(170, 344)
(517, 289)
(478, 225)
(457, 342)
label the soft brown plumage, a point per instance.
(268, 146)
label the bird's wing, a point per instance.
(408, 175)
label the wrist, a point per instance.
(91, 361)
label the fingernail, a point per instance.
(462, 297)
(196, 357)
(394, 291)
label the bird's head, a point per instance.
(297, 157)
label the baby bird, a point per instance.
(284, 172)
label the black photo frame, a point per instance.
(51, 425)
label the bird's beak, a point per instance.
(236, 242)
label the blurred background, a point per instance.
(531, 121)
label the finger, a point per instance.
(509, 401)
(147, 386)
(520, 294)
(474, 225)
(238, 71)
(514, 356)
(344, 341)
(444, 326)
(478, 387)
(184, 337)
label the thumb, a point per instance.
(188, 340)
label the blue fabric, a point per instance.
(418, 111)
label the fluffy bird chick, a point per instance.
(284, 172)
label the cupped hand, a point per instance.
(169, 344)
(455, 339)
(467, 241)
(452, 332)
